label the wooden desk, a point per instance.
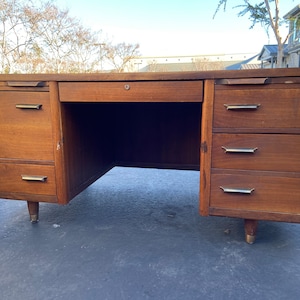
(60, 133)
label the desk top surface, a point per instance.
(147, 76)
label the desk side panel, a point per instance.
(206, 145)
(58, 145)
(88, 131)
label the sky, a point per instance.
(174, 27)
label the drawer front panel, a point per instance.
(25, 125)
(268, 193)
(27, 179)
(151, 91)
(270, 152)
(257, 108)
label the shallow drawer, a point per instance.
(272, 152)
(151, 91)
(255, 193)
(25, 125)
(262, 107)
(27, 179)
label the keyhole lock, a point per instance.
(127, 87)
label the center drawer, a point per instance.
(25, 125)
(146, 91)
(270, 152)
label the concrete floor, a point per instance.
(137, 234)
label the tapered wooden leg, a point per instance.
(33, 209)
(250, 230)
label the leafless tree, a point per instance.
(204, 64)
(84, 53)
(36, 36)
(54, 35)
(152, 65)
(14, 36)
(120, 54)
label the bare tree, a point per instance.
(120, 54)
(267, 14)
(204, 64)
(14, 36)
(84, 53)
(53, 30)
(152, 65)
(36, 36)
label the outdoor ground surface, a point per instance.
(137, 234)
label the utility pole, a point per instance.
(100, 45)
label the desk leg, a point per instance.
(250, 230)
(33, 209)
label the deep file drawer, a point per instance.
(25, 126)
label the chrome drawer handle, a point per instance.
(34, 178)
(237, 190)
(239, 81)
(241, 106)
(239, 150)
(29, 106)
(26, 83)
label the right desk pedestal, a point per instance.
(250, 150)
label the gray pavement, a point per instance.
(137, 234)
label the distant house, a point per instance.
(294, 37)
(291, 51)
(268, 56)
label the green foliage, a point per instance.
(258, 13)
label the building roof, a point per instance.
(250, 66)
(292, 13)
(201, 65)
(270, 51)
(191, 63)
(183, 67)
(250, 63)
(169, 67)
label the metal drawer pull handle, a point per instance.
(241, 106)
(25, 83)
(34, 178)
(239, 81)
(239, 150)
(237, 190)
(29, 106)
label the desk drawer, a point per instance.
(146, 91)
(263, 107)
(269, 194)
(25, 125)
(27, 179)
(270, 152)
